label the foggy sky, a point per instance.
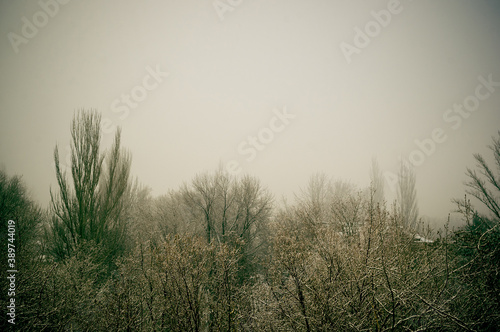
(279, 89)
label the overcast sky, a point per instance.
(278, 89)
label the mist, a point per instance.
(280, 90)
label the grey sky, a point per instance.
(228, 77)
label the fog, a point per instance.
(276, 89)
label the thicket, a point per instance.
(217, 255)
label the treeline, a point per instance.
(219, 255)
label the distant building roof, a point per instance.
(421, 239)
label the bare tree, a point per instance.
(201, 197)
(485, 185)
(234, 211)
(377, 182)
(228, 206)
(407, 196)
(89, 205)
(477, 244)
(348, 213)
(315, 199)
(16, 205)
(347, 207)
(20, 221)
(141, 216)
